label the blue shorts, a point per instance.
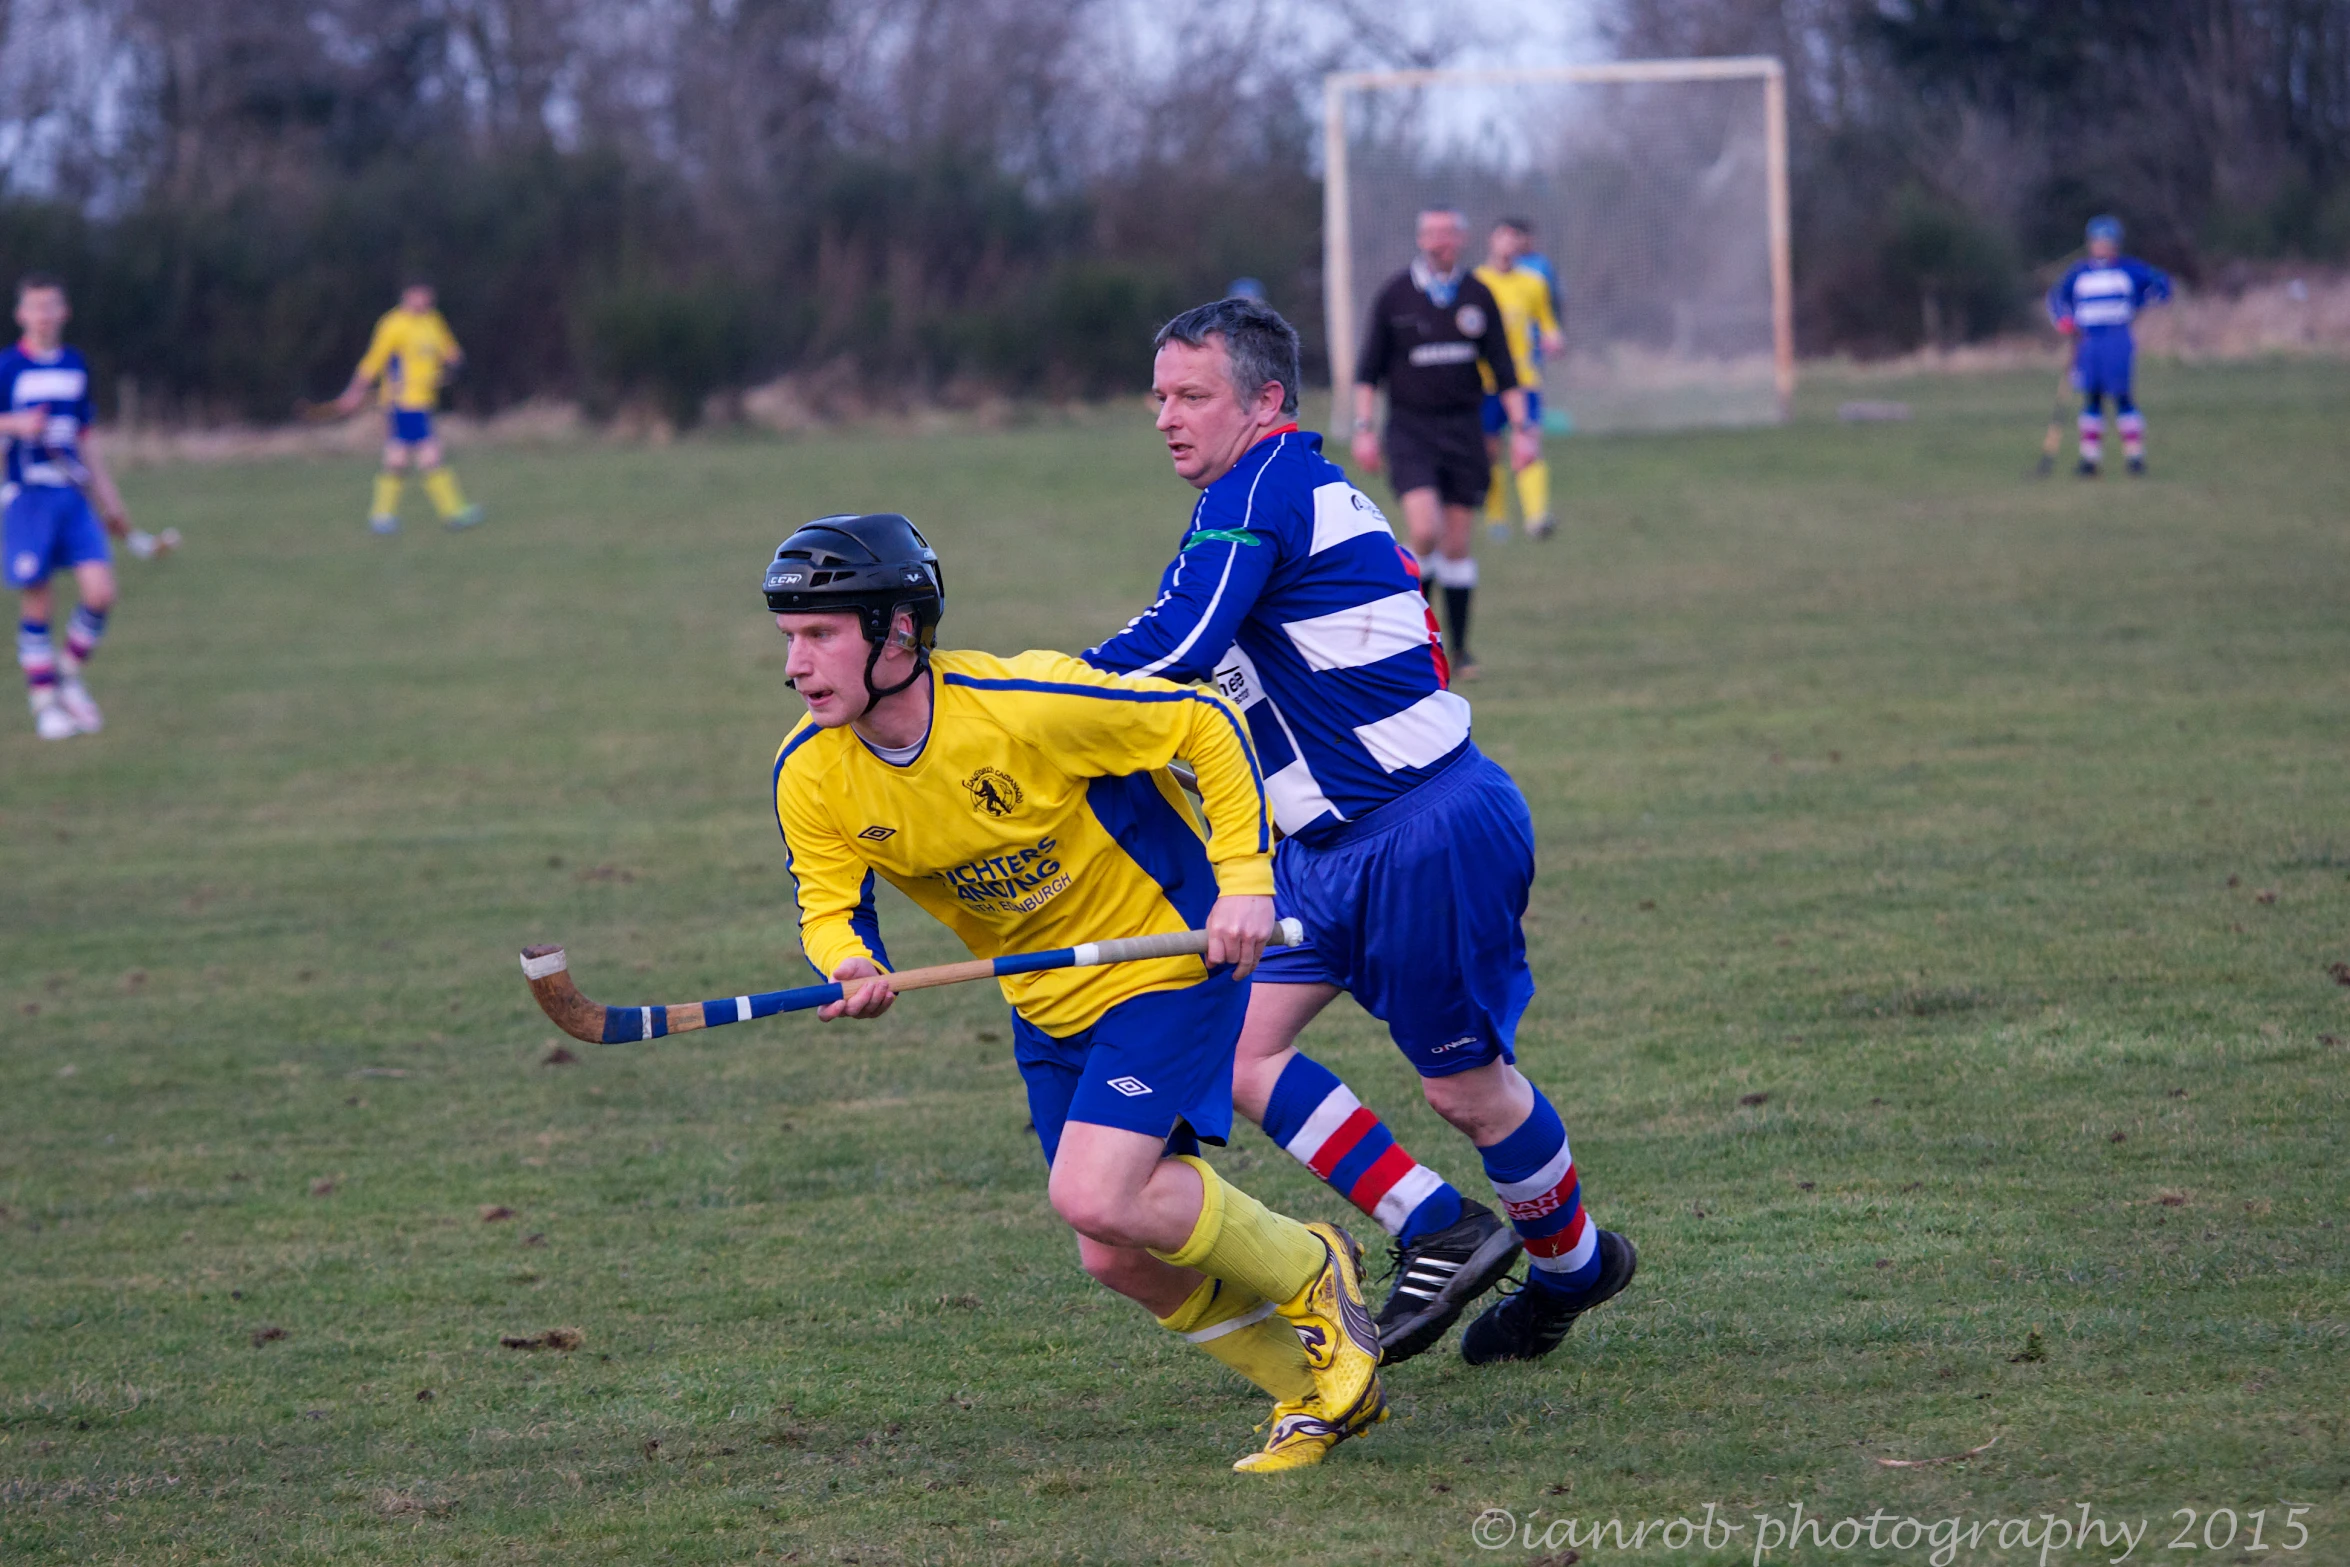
(1159, 1064)
(49, 528)
(1414, 911)
(409, 426)
(2102, 365)
(1496, 418)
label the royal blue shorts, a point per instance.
(49, 528)
(2102, 365)
(1414, 911)
(409, 426)
(1159, 1064)
(1496, 418)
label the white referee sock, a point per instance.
(1456, 571)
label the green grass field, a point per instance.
(1940, 873)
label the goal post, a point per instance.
(1658, 194)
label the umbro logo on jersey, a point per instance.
(1131, 1087)
(877, 834)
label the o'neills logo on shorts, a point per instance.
(992, 791)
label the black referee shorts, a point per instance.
(1444, 452)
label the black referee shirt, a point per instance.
(1427, 354)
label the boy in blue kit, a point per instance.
(50, 524)
(2096, 301)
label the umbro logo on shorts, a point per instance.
(1131, 1087)
(877, 834)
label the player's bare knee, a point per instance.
(1486, 1104)
(1086, 1207)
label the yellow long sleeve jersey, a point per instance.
(1039, 814)
(411, 353)
(1524, 298)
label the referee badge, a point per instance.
(1471, 320)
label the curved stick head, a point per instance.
(550, 982)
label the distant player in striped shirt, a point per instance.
(1408, 855)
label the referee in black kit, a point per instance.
(1429, 327)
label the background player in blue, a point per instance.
(50, 525)
(1408, 854)
(2098, 299)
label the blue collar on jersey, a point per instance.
(1440, 287)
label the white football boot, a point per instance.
(49, 715)
(74, 697)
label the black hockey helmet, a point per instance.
(873, 565)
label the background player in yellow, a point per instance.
(1526, 310)
(410, 355)
(1026, 803)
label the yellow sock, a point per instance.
(387, 495)
(1497, 494)
(1534, 489)
(1241, 1329)
(441, 485)
(1240, 1240)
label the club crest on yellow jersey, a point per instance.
(992, 791)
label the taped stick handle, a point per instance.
(1172, 944)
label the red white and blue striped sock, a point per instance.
(2092, 428)
(1324, 1127)
(2133, 426)
(1533, 1172)
(83, 631)
(34, 654)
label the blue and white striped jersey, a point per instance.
(2098, 294)
(60, 387)
(1291, 593)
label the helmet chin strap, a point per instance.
(873, 693)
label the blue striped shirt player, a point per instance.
(1408, 855)
(2096, 300)
(1290, 593)
(56, 508)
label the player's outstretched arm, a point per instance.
(1366, 431)
(1204, 596)
(103, 494)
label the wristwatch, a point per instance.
(1365, 426)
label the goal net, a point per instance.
(1658, 193)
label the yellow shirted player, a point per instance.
(410, 355)
(1026, 802)
(1526, 309)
